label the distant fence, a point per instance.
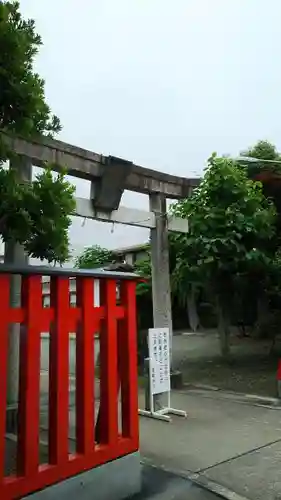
(98, 440)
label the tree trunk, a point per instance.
(223, 328)
(263, 314)
(262, 307)
(193, 317)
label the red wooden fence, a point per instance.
(118, 367)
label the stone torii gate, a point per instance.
(109, 177)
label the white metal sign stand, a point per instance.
(159, 374)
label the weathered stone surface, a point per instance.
(89, 165)
(119, 479)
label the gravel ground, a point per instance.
(251, 369)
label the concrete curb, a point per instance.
(239, 397)
(216, 488)
(198, 480)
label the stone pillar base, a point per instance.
(118, 480)
(176, 380)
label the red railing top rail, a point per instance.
(67, 272)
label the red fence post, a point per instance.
(85, 366)
(108, 413)
(29, 383)
(58, 372)
(127, 365)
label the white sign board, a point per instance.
(159, 359)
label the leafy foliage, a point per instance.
(49, 202)
(231, 256)
(23, 109)
(36, 215)
(229, 220)
(269, 173)
(143, 268)
(94, 256)
(262, 150)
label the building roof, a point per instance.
(132, 248)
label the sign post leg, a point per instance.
(158, 376)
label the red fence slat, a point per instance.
(127, 362)
(29, 382)
(59, 372)
(108, 432)
(85, 367)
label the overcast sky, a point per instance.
(159, 82)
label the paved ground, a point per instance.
(161, 485)
(224, 440)
(256, 475)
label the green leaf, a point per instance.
(94, 256)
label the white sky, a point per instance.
(162, 83)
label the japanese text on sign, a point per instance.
(159, 354)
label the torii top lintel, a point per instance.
(88, 165)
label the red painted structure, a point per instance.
(95, 444)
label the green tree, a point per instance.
(94, 256)
(35, 215)
(230, 222)
(23, 108)
(266, 288)
(262, 150)
(267, 171)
